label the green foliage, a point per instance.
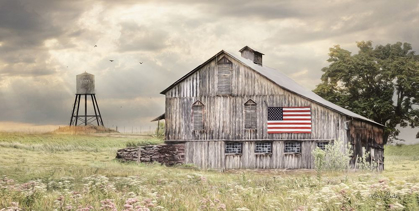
(335, 159)
(379, 83)
(363, 164)
(161, 130)
(319, 161)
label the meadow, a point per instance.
(79, 172)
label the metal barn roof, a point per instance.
(281, 80)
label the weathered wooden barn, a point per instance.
(234, 112)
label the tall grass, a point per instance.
(79, 178)
(402, 150)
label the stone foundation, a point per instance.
(168, 154)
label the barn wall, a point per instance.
(223, 118)
(210, 155)
(365, 137)
(224, 115)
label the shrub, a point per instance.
(332, 158)
(319, 161)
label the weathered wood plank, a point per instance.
(223, 89)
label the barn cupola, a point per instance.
(251, 54)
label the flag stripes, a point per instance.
(289, 120)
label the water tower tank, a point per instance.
(85, 83)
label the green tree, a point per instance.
(380, 83)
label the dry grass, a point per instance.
(63, 172)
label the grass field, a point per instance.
(78, 172)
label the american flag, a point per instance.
(289, 120)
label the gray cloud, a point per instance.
(40, 39)
(22, 27)
(142, 38)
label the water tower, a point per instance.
(85, 87)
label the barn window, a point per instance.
(197, 115)
(233, 148)
(293, 147)
(263, 147)
(225, 68)
(322, 145)
(250, 115)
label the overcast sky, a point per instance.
(44, 44)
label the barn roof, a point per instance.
(281, 80)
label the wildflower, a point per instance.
(396, 206)
(222, 207)
(107, 204)
(88, 208)
(148, 203)
(204, 201)
(131, 201)
(76, 195)
(300, 208)
(128, 206)
(203, 179)
(14, 207)
(141, 208)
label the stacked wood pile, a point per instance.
(128, 154)
(167, 154)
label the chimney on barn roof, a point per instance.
(251, 54)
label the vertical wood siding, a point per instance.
(224, 120)
(210, 155)
(366, 138)
(224, 116)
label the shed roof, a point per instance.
(281, 80)
(163, 116)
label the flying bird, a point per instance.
(141, 62)
(95, 46)
(111, 60)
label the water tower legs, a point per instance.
(85, 119)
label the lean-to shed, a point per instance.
(234, 112)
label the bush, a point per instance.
(319, 161)
(332, 158)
